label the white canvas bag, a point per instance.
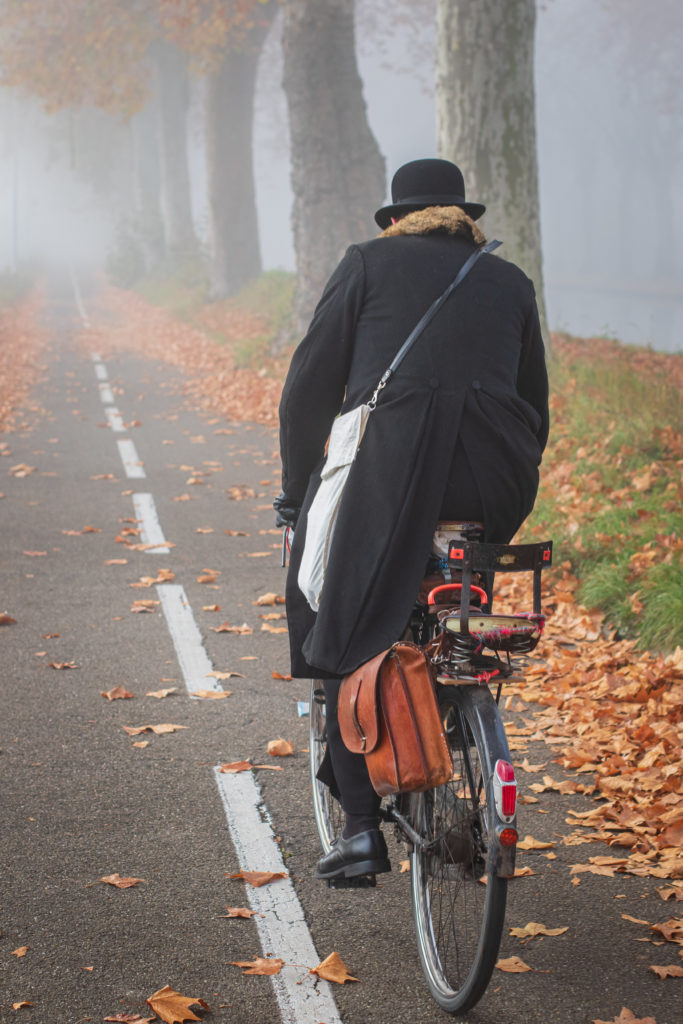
(345, 438)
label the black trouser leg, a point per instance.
(358, 798)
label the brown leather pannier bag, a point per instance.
(388, 711)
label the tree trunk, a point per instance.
(233, 222)
(170, 72)
(486, 119)
(338, 173)
(149, 228)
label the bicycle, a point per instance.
(462, 836)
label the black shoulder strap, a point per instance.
(429, 316)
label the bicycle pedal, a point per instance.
(359, 882)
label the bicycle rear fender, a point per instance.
(491, 727)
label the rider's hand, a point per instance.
(287, 511)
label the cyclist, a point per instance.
(458, 435)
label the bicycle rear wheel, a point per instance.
(458, 919)
(329, 816)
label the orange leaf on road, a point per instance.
(280, 748)
(529, 843)
(118, 693)
(120, 883)
(232, 767)
(159, 694)
(259, 878)
(513, 965)
(158, 730)
(269, 599)
(261, 965)
(20, 951)
(62, 664)
(172, 1007)
(238, 912)
(333, 968)
(532, 929)
(668, 970)
(627, 1017)
(7, 620)
(211, 694)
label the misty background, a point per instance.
(609, 117)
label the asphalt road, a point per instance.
(81, 801)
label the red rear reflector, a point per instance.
(506, 773)
(457, 553)
(508, 837)
(509, 800)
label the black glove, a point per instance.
(287, 511)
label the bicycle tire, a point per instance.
(458, 920)
(329, 817)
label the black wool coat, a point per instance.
(477, 374)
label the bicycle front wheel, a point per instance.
(329, 816)
(458, 899)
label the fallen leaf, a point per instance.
(211, 694)
(158, 730)
(532, 929)
(529, 843)
(129, 1018)
(269, 599)
(7, 620)
(267, 628)
(668, 971)
(627, 1017)
(636, 920)
(143, 606)
(224, 675)
(141, 744)
(233, 767)
(62, 664)
(280, 748)
(238, 912)
(259, 554)
(18, 1006)
(404, 865)
(279, 675)
(237, 533)
(261, 965)
(116, 561)
(118, 693)
(227, 628)
(161, 693)
(20, 951)
(174, 1008)
(513, 965)
(672, 930)
(334, 969)
(120, 883)
(49, 636)
(35, 554)
(211, 608)
(259, 878)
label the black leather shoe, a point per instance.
(363, 854)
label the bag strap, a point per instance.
(428, 317)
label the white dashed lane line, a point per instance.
(150, 527)
(114, 419)
(303, 998)
(187, 640)
(130, 459)
(283, 928)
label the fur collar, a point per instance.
(450, 220)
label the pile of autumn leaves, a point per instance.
(22, 341)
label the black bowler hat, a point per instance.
(423, 183)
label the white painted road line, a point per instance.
(106, 393)
(114, 419)
(150, 527)
(77, 296)
(303, 998)
(187, 640)
(130, 459)
(101, 371)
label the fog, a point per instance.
(608, 125)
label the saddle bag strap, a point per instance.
(428, 317)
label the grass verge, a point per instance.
(611, 484)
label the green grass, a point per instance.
(610, 484)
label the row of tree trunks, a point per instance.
(233, 221)
(338, 172)
(172, 97)
(486, 120)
